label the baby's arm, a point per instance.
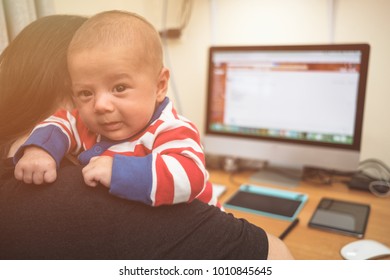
(48, 142)
(36, 166)
(174, 172)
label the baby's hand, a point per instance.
(36, 166)
(98, 170)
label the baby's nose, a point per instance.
(103, 103)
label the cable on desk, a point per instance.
(232, 180)
(323, 176)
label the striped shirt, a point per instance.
(163, 164)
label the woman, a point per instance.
(66, 219)
(33, 75)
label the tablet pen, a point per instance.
(289, 228)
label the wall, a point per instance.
(240, 22)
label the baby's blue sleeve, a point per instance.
(132, 178)
(50, 138)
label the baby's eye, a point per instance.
(84, 94)
(120, 88)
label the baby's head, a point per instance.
(120, 28)
(115, 61)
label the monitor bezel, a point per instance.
(362, 47)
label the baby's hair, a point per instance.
(120, 28)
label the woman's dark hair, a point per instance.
(33, 75)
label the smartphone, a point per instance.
(344, 217)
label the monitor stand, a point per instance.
(279, 176)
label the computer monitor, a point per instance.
(290, 106)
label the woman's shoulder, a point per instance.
(6, 168)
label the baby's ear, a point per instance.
(162, 84)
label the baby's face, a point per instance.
(115, 96)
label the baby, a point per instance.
(124, 129)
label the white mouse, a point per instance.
(364, 249)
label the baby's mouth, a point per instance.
(111, 126)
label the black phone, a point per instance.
(344, 217)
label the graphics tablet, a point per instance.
(267, 201)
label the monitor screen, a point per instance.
(284, 103)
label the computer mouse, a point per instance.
(364, 249)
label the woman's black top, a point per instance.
(69, 220)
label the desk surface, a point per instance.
(307, 243)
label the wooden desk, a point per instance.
(307, 243)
